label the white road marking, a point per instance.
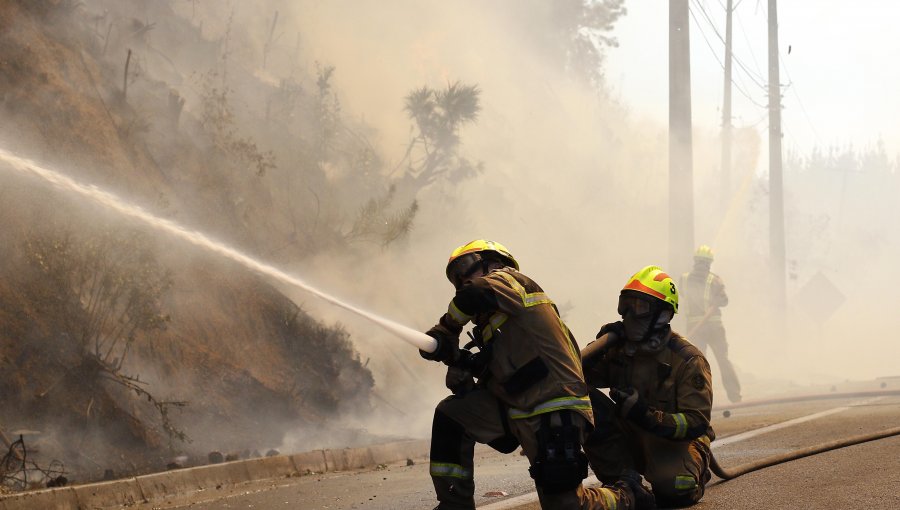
(776, 426)
(532, 496)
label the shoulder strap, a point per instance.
(682, 347)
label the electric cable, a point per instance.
(740, 23)
(730, 473)
(793, 89)
(756, 78)
(711, 49)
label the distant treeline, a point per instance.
(872, 159)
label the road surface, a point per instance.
(861, 476)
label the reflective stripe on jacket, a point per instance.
(674, 386)
(699, 292)
(535, 360)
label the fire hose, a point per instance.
(729, 473)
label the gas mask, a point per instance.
(645, 320)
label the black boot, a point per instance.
(641, 496)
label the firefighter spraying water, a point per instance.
(522, 387)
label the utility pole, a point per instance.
(776, 191)
(681, 181)
(726, 114)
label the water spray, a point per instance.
(110, 201)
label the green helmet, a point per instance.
(704, 252)
(654, 282)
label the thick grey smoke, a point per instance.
(577, 189)
(574, 185)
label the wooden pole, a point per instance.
(726, 114)
(681, 181)
(776, 190)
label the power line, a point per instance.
(758, 121)
(793, 88)
(757, 80)
(791, 85)
(722, 65)
(749, 45)
(755, 77)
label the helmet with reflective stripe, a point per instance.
(654, 282)
(704, 252)
(480, 248)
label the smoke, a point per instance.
(574, 185)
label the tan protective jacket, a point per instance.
(701, 291)
(674, 386)
(535, 364)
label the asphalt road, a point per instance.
(861, 476)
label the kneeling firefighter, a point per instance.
(522, 387)
(656, 419)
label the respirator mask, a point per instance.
(645, 320)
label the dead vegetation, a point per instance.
(116, 349)
(108, 292)
(18, 472)
(218, 118)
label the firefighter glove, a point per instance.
(447, 350)
(628, 402)
(459, 380)
(476, 363)
(616, 328)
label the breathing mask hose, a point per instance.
(728, 474)
(595, 350)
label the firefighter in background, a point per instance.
(703, 293)
(656, 418)
(522, 387)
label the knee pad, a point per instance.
(561, 465)
(559, 474)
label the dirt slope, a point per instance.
(248, 363)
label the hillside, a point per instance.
(124, 349)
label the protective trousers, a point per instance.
(477, 416)
(713, 335)
(677, 470)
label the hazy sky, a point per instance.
(841, 74)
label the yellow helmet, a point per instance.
(653, 281)
(463, 259)
(704, 252)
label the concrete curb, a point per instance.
(63, 498)
(115, 493)
(181, 482)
